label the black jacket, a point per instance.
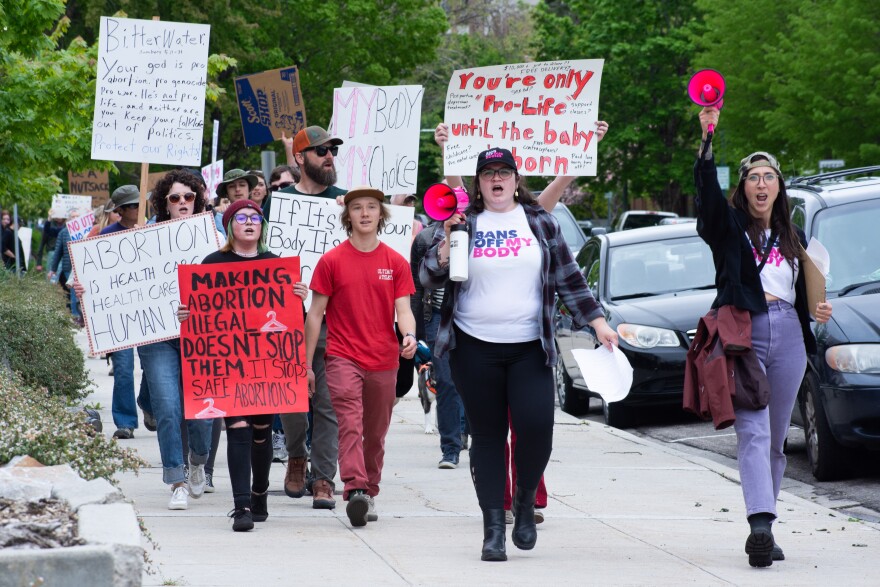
(736, 275)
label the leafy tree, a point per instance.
(647, 47)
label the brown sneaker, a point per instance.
(322, 491)
(295, 480)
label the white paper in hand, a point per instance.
(607, 373)
(819, 254)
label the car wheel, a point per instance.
(616, 415)
(570, 400)
(829, 460)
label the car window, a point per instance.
(849, 232)
(798, 214)
(571, 232)
(663, 266)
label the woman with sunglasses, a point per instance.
(497, 327)
(248, 438)
(755, 247)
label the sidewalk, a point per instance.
(622, 511)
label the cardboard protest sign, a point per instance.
(90, 183)
(213, 175)
(243, 348)
(309, 226)
(79, 227)
(380, 128)
(545, 113)
(150, 91)
(270, 102)
(64, 204)
(130, 279)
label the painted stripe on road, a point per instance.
(701, 437)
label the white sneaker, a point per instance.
(372, 516)
(196, 481)
(178, 499)
(279, 448)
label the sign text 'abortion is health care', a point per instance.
(243, 347)
(130, 278)
(545, 113)
(150, 92)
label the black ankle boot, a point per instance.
(493, 536)
(525, 534)
(759, 544)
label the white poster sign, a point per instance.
(309, 226)
(150, 91)
(26, 235)
(213, 175)
(380, 128)
(545, 113)
(64, 204)
(130, 278)
(79, 227)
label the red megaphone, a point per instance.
(706, 88)
(441, 201)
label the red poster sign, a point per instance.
(243, 348)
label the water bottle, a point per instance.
(458, 252)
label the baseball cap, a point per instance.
(312, 136)
(758, 159)
(364, 191)
(495, 156)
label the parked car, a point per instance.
(640, 219)
(677, 220)
(586, 226)
(839, 399)
(571, 232)
(654, 285)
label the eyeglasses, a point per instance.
(282, 185)
(127, 206)
(323, 150)
(187, 197)
(243, 218)
(767, 177)
(503, 173)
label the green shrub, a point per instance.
(38, 341)
(35, 423)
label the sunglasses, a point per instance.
(322, 150)
(243, 218)
(282, 185)
(127, 206)
(187, 197)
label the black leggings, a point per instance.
(249, 449)
(492, 378)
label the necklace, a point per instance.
(246, 255)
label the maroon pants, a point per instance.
(540, 496)
(362, 401)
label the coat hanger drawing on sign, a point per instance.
(272, 325)
(210, 411)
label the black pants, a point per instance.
(491, 379)
(249, 450)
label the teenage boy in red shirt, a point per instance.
(360, 285)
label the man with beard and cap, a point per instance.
(314, 151)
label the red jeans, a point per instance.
(362, 401)
(540, 496)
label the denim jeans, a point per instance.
(161, 365)
(449, 408)
(74, 305)
(124, 409)
(778, 340)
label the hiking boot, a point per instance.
(357, 508)
(242, 520)
(124, 433)
(295, 480)
(322, 495)
(260, 506)
(150, 422)
(372, 516)
(759, 544)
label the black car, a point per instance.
(654, 285)
(839, 399)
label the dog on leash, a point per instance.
(428, 396)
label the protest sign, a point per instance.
(64, 204)
(213, 175)
(309, 226)
(90, 183)
(270, 102)
(25, 235)
(79, 227)
(130, 279)
(380, 128)
(545, 113)
(150, 91)
(242, 349)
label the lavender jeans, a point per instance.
(778, 340)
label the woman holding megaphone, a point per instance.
(497, 327)
(757, 270)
